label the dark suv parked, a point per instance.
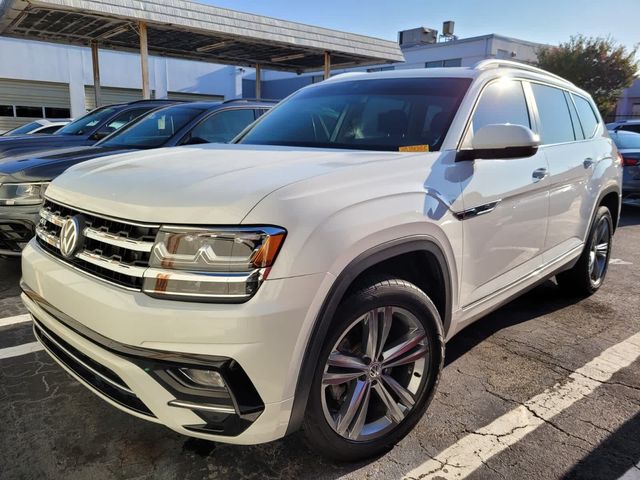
(84, 131)
(23, 181)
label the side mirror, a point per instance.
(501, 141)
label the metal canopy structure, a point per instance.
(183, 29)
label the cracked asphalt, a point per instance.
(52, 427)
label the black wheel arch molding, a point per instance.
(364, 261)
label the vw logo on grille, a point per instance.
(71, 236)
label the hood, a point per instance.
(209, 184)
(23, 144)
(47, 165)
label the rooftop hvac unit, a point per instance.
(447, 28)
(417, 36)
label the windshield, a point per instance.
(377, 114)
(155, 129)
(627, 141)
(86, 124)
(24, 129)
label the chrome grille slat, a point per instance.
(114, 250)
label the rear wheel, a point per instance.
(377, 372)
(587, 276)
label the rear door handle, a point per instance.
(539, 174)
(588, 162)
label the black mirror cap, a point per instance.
(496, 153)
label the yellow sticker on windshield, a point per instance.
(414, 148)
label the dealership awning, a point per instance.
(183, 29)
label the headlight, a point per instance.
(22, 193)
(211, 265)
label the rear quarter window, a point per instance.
(588, 118)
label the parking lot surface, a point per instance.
(546, 387)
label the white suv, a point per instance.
(311, 274)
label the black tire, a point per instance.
(376, 293)
(579, 280)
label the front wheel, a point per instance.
(377, 373)
(587, 276)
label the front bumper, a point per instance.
(17, 227)
(131, 339)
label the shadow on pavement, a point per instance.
(630, 215)
(613, 457)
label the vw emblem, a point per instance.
(71, 236)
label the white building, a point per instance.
(39, 79)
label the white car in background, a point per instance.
(310, 275)
(41, 127)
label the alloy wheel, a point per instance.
(599, 252)
(374, 373)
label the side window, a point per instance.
(587, 116)
(48, 130)
(555, 118)
(122, 119)
(221, 127)
(501, 102)
(577, 127)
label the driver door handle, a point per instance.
(539, 174)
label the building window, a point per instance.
(28, 112)
(56, 112)
(503, 54)
(451, 62)
(381, 69)
(6, 110)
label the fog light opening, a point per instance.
(204, 378)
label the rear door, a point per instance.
(505, 243)
(571, 161)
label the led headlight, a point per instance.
(211, 264)
(22, 193)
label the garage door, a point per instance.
(109, 95)
(194, 97)
(23, 101)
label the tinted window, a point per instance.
(6, 110)
(28, 112)
(155, 129)
(221, 127)
(56, 112)
(555, 119)
(501, 102)
(121, 120)
(48, 130)
(588, 118)
(86, 124)
(627, 141)
(630, 128)
(24, 129)
(367, 114)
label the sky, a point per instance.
(544, 21)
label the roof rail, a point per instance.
(155, 100)
(263, 100)
(496, 63)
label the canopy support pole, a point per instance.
(258, 82)
(96, 73)
(144, 61)
(327, 65)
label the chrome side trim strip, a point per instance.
(202, 406)
(117, 241)
(227, 277)
(38, 331)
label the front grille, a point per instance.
(95, 374)
(113, 250)
(14, 236)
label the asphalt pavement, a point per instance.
(545, 387)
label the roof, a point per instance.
(489, 36)
(183, 29)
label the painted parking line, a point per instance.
(20, 350)
(15, 320)
(472, 451)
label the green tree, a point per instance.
(598, 65)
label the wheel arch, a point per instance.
(423, 244)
